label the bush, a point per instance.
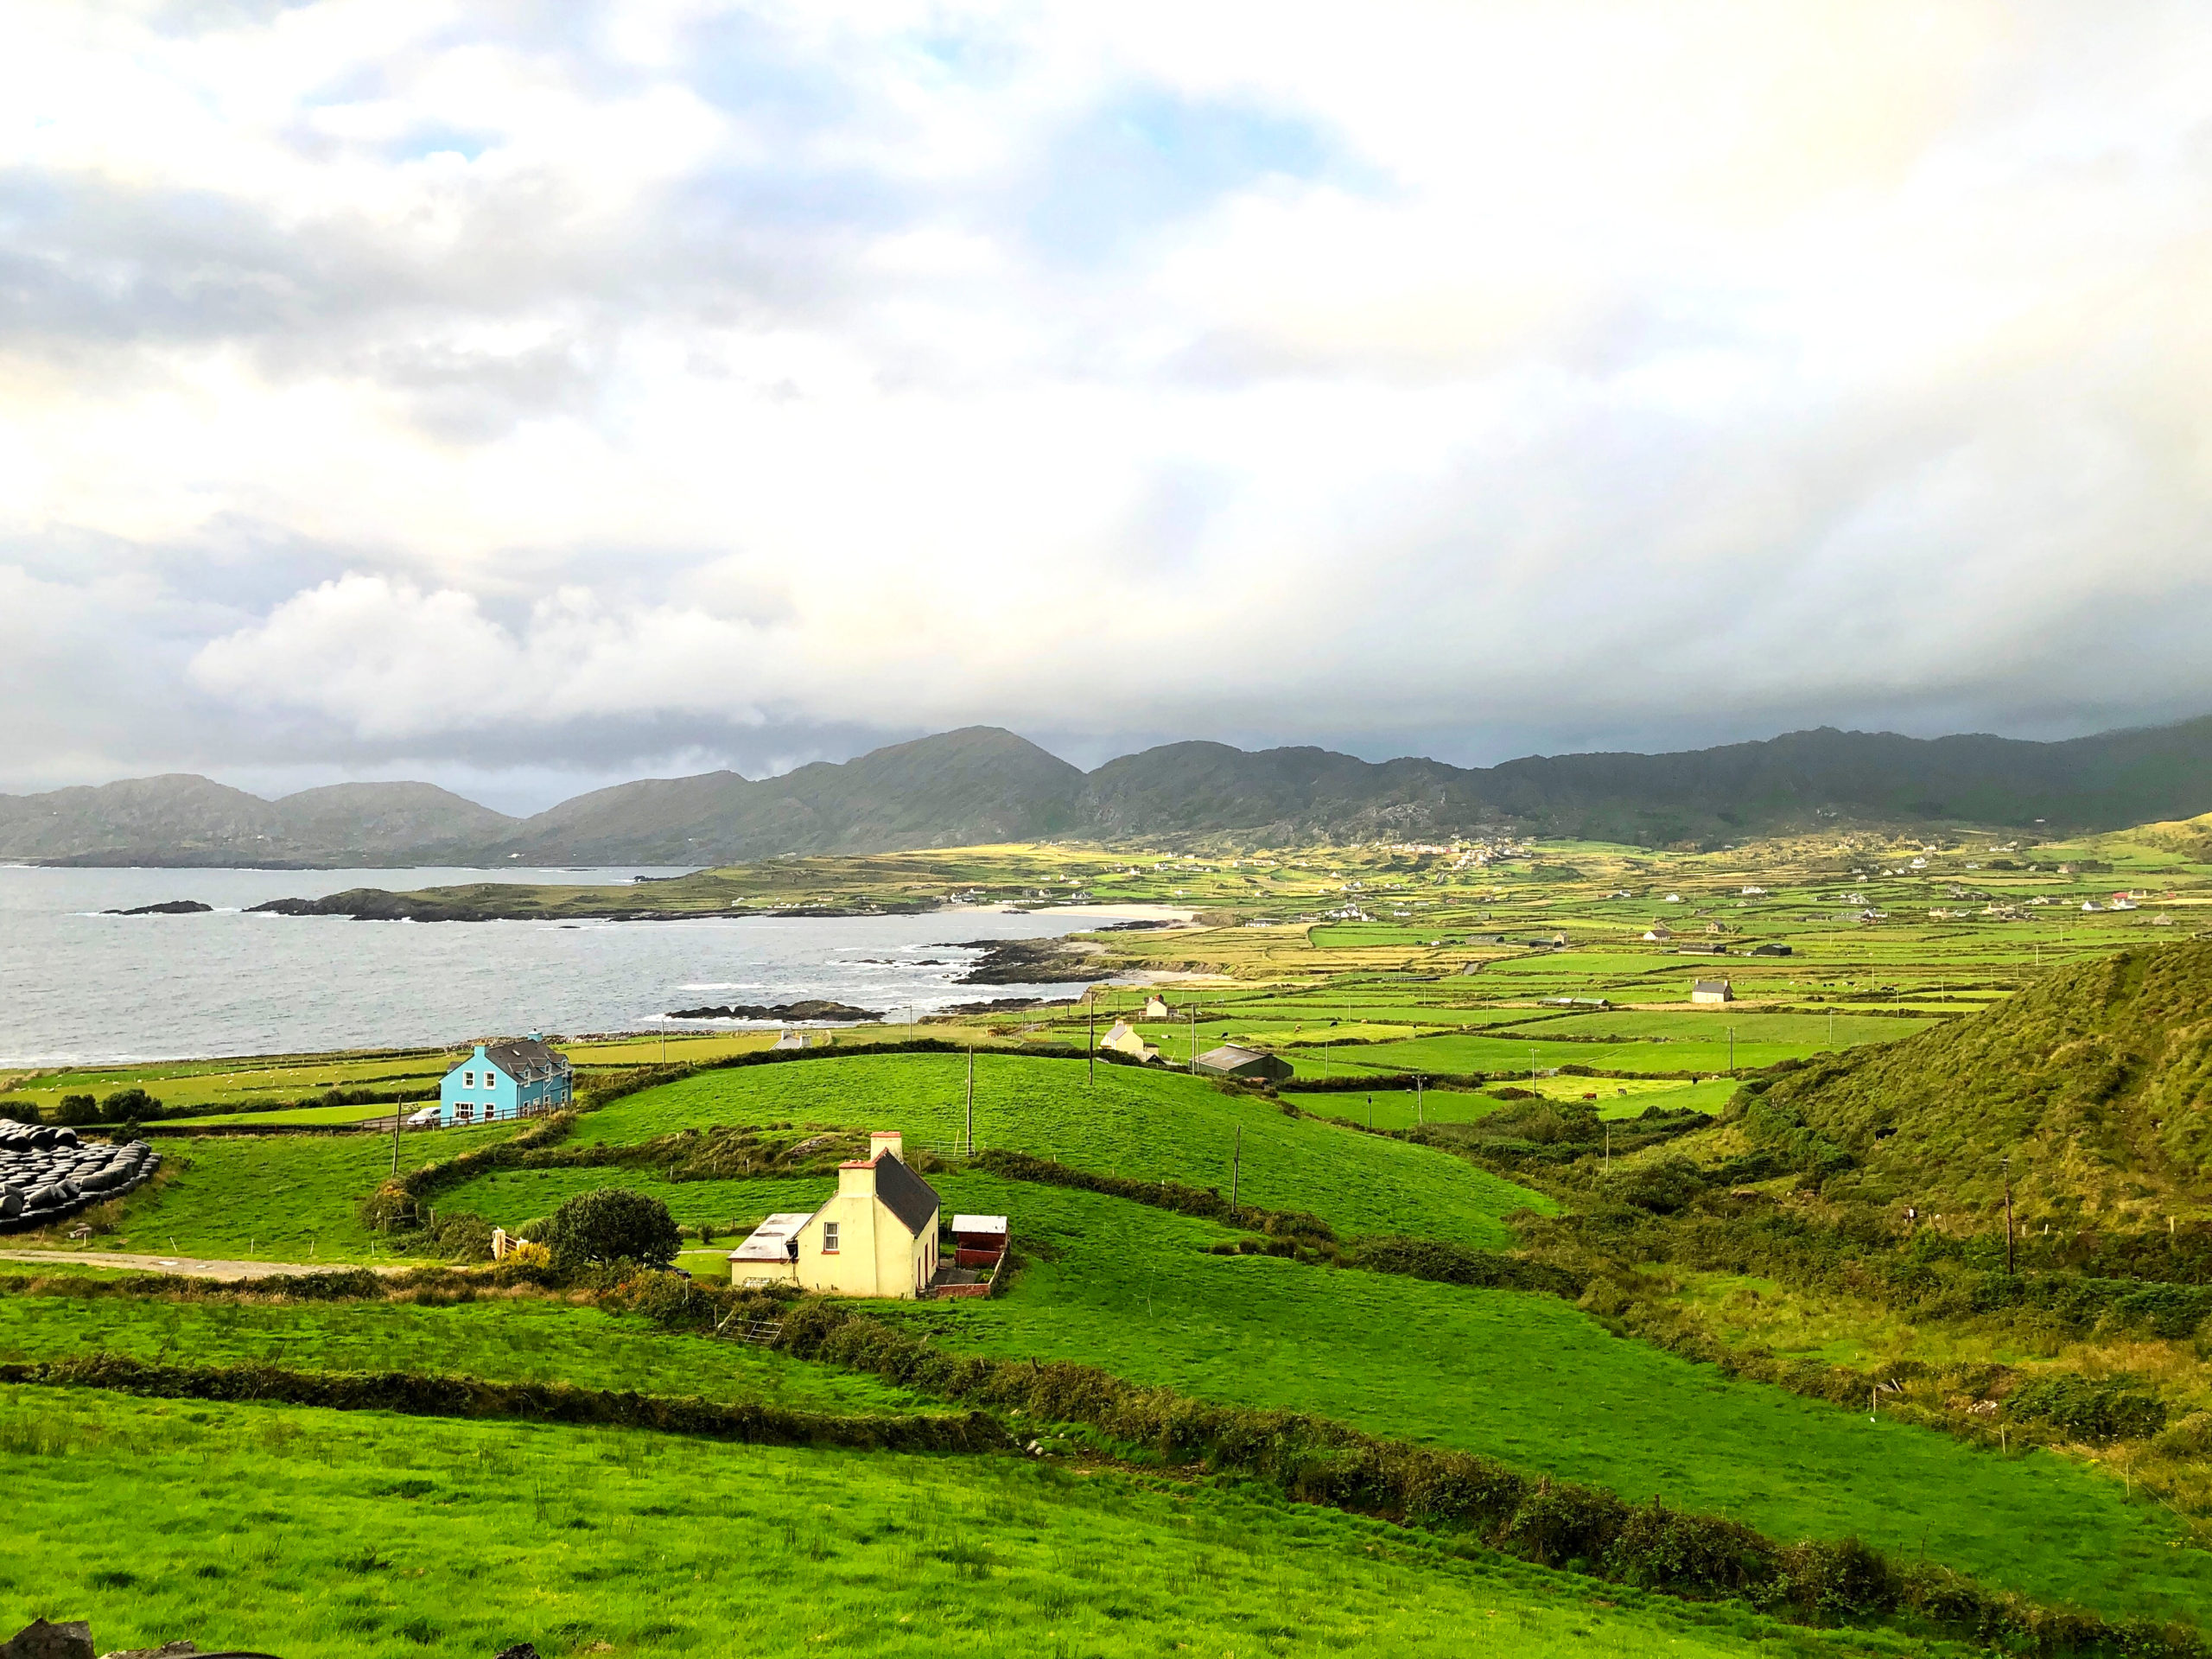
(77, 1110)
(130, 1105)
(2089, 1408)
(610, 1224)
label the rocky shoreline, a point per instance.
(1027, 961)
(807, 1008)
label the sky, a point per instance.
(527, 397)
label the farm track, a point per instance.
(189, 1266)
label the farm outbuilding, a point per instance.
(1769, 949)
(978, 1241)
(1156, 1007)
(1251, 1065)
(1712, 991)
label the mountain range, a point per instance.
(981, 785)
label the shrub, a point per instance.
(2089, 1408)
(129, 1105)
(77, 1110)
(610, 1224)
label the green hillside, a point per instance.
(2096, 1081)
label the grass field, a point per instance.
(272, 1197)
(1142, 1123)
(330, 1535)
(1524, 1377)
(524, 1339)
(1395, 1108)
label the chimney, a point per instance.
(885, 1141)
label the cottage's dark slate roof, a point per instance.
(904, 1194)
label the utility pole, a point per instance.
(1732, 1048)
(2008, 1213)
(1609, 1143)
(1091, 1008)
(1194, 1036)
(971, 1102)
(1236, 1168)
(1370, 1111)
(1420, 1122)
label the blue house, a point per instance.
(520, 1078)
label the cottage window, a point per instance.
(468, 1079)
(829, 1238)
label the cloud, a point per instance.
(389, 660)
(600, 385)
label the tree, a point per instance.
(77, 1110)
(610, 1224)
(130, 1105)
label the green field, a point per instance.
(273, 1197)
(525, 1339)
(1523, 1377)
(331, 1535)
(1143, 1123)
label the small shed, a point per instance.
(1251, 1064)
(1711, 991)
(978, 1241)
(1771, 948)
(1657, 934)
(1155, 1008)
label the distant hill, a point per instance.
(182, 820)
(984, 784)
(2096, 1081)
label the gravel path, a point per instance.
(192, 1267)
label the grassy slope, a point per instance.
(1143, 1123)
(524, 1340)
(321, 1535)
(2094, 1079)
(1524, 1377)
(274, 1198)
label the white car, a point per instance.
(427, 1118)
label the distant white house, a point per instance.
(1155, 1008)
(1754, 893)
(1126, 1039)
(1657, 933)
(1711, 991)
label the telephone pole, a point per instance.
(1194, 1037)
(1091, 1010)
(1235, 1169)
(971, 1103)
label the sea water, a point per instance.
(77, 987)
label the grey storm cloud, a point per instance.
(557, 393)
